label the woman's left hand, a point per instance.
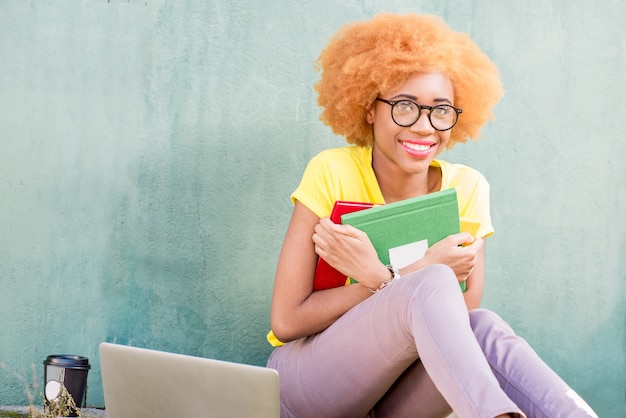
(350, 251)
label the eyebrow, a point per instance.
(414, 98)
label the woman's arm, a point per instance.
(296, 310)
(466, 260)
(476, 281)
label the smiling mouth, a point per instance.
(417, 147)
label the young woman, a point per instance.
(408, 343)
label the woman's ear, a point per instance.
(370, 114)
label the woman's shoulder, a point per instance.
(473, 195)
(349, 153)
(343, 160)
(337, 174)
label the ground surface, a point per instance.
(22, 412)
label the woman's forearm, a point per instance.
(317, 312)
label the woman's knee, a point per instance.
(433, 283)
(481, 316)
(488, 327)
(439, 270)
(433, 274)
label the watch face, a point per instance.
(53, 389)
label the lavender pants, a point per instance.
(412, 350)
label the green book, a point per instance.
(401, 232)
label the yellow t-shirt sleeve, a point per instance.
(274, 342)
(315, 190)
(473, 195)
(338, 174)
(475, 212)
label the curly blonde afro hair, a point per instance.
(366, 59)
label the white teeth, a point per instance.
(417, 147)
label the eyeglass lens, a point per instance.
(406, 113)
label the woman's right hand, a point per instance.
(350, 251)
(458, 251)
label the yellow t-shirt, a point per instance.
(346, 174)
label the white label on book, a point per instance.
(402, 256)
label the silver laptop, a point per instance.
(139, 383)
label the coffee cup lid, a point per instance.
(67, 361)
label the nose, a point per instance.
(422, 125)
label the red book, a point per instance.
(327, 277)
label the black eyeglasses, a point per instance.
(406, 112)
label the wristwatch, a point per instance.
(395, 275)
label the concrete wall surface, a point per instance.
(148, 149)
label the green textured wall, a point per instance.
(148, 149)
